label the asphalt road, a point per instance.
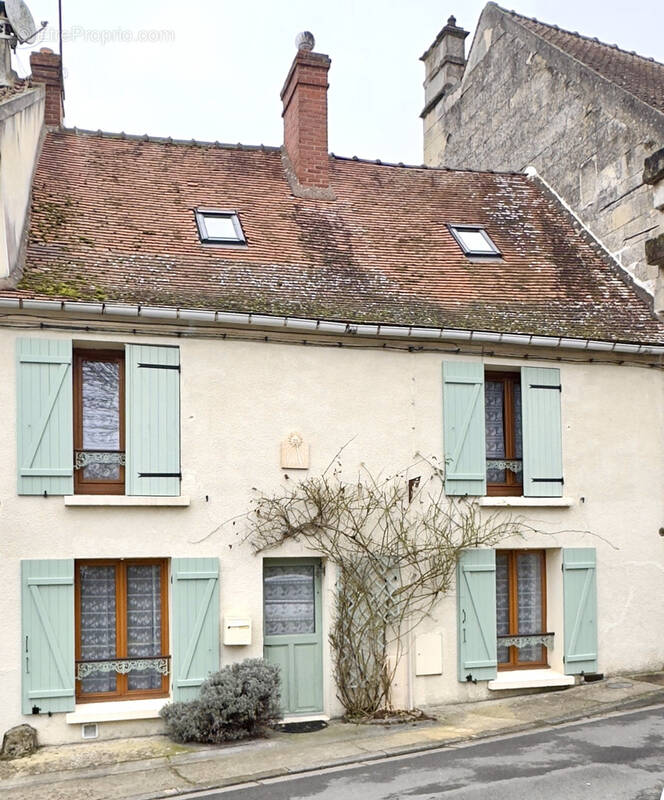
(619, 757)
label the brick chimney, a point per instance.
(444, 64)
(46, 68)
(305, 121)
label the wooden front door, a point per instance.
(292, 636)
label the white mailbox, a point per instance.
(237, 630)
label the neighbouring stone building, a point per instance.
(584, 114)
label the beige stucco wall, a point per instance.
(21, 123)
(240, 399)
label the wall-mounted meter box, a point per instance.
(237, 630)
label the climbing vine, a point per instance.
(395, 545)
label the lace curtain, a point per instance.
(101, 414)
(288, 594)
(528, 602)
(143, 622)
(494, 420)
(495, 429)
(99, 620)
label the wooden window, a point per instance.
(520, 605)
(121, 615)
(502, 403)
(99, 436)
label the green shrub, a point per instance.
(238, 702)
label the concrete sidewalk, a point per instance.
(154, 767)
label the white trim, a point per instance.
(526, 502)
(124, 500)
(529, 679)
(332, 327)
(116, 711)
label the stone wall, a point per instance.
(522, 102)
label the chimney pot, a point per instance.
(305, 41)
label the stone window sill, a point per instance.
(116, 711)
(124, 500)
(530, 679)
(526, 502)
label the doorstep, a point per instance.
(119, 711)
(530, 679)
(289, 718)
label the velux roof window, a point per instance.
(219, 227)
(474, 240)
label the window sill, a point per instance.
(116, 711)
(526, 502)
(124, 500)
(530, 679)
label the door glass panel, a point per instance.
(143, 622)
(288, 597)
(502, 603)
(495, 428)
(529, 601)
(101, 414)
(98, 624)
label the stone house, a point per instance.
(588, 116)
(183, 321)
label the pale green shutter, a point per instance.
(476, 609)
(542, 434)
(47, 635)
(580, 610)
(153, 420)
(195, 623)
(463, 428)
(44, 429)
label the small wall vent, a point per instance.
(89, 730)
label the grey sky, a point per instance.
(216, 70)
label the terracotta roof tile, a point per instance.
(112, 220)
(11, 91)
(640, 76)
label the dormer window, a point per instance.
(474, 240)
(219, 227)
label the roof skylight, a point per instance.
(474, 240)
(219, 227)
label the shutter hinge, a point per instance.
(548, 480)
(161, 366)
(160, 475)
(558, 388)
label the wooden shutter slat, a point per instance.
(542, 432)
(580, 610)
(476, 610)
(44, 416)
(463, 428)
(47, 627)
(196, 622)
(153, 420)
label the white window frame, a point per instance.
(201, 215)
(456, 230)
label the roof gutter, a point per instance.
(329, 327)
